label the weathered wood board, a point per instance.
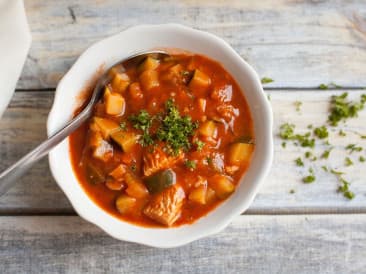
(297, 43)
(251, 244)
(23, 126)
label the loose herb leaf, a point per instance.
(326, 153)
(321, 132)
(325, 168)
(283, 144)
(344, 188)
(362, 159)
(199, 144)
(341, 109)
(298, 105)
(341, 133)
(323, 86)
(299, 162)
(336, 172)
(309, 179)
(292, 191)
(123, 125)
(348, 161)
(353, 147)
(266, 80)
(287, 131)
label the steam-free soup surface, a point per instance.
(167, 143)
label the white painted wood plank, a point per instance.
(251, 244)
(297, 43)
(23, 126)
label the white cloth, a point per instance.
(15, 40)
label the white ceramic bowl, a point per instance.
(120, 46)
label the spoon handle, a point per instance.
(8, 177)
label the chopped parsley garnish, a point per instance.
(325, 168)
(323, 86)
(336, 172)
(341, 109)
(190, 164)
(175, 129)
(310, 126)
(209, 160)
(283, 144)
(199, 144)
(292, 191)
(287, 133)
(299, 162)
(309, 178)
(362, 159)
(133, 167)
(123, 125)
(321, 132)
(266, 80)
(348, 161)
(298, 105)
(269, 97)
(308, 154)
(344, 188)
(353, 147)
(326, 153)
(143, 122)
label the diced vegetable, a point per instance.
(166, 206)
(201, 104)
(135, 187)
(149, 64)
(198, 194)
(149, 79)
(159, 181)
(94, 174)
(222, 185)
(103, 152)
(104, 126)
(125, 203)
(135, 91)
(126, 140)
(118, 173)
(95, 138)
(114, 103)
(239, 153)
(114, 185)
(210, 195)
(120, 82)
(208, 129)
(199, 80)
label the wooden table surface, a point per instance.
(300, 44)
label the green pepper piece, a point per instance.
(159, 181)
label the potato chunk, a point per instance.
(120, 82)
(222, 185)
(114, 103)
(125, 203)
(166, 207)
(239, 153)
(104, 126)
(149, 79)
(199, 81)
(149, 64)
(208, 129)
(135, 187)
(198, 195)
(118, 173)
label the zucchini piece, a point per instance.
(125, 203)
(239, 153)
(104, 126)
(159, 181)
(94, 174)
(126, 140)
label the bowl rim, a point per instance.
(208, 230)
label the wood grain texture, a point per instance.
(297, 43)
(251, 244)
(23, 126)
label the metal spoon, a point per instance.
(19, 168)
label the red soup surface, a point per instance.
(167, 143)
